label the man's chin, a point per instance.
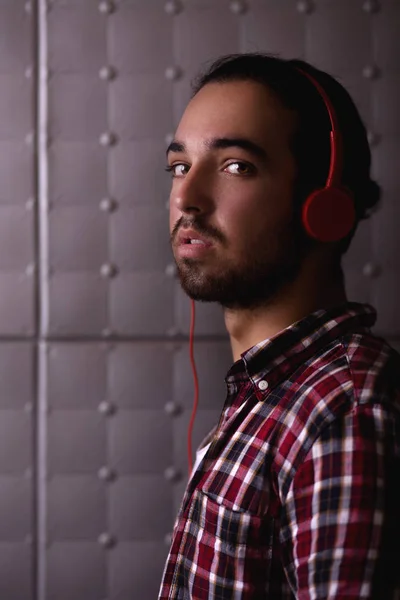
(237, 291)
(228, 296)
(201, 289)
(199, 293)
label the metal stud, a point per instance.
(173, 73)
(173, 7)
(172, 474)
(106, 474)
(108, 205)
(238, 7)
(108, 270)
(371, 72)
(107, 73)
(107, 540)
(106, 8)
(172, 409)
(171, 270)
(168, 539)
(172, 332)
(373, 138)
(371, 270)
(108, 138)
(168, 138)
(107, 409)
(30, 204)
(30, 270)
(371, 6)
(305, 7)
(30, 138)
(107, 332)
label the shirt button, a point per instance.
(263, 385)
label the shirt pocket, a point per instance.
(227, 550)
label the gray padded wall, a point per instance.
(96, 388)
(18, 323)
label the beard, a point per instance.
(256, 279)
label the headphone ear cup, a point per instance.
(328, 214)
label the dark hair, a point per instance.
(311, 143)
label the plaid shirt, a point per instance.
(298, 495)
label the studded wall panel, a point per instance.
(17, 300)
(95, 381)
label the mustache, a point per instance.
(197, 225)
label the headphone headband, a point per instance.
(328, 214)
(336, 144)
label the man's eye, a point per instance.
(239, 168)
(177, 170)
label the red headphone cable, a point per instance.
(196, 387)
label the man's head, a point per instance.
(251, 145)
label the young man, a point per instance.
(297, 494)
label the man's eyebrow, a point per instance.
(237, 142)
(222, 143)
(175, 146)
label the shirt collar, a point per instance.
(273, 359)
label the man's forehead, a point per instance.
(241, 109)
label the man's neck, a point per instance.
(249, 327)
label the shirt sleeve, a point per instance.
(340, 521)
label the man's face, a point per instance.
(232, 191)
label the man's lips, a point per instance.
(188, 237)
(193, 245)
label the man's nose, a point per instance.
(193, 194)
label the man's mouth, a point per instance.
(191, 237)
(191, 244)
(194, 241)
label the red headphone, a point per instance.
(328, 214)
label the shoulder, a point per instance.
(354, 369)
(374, 368)
(354, 374)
